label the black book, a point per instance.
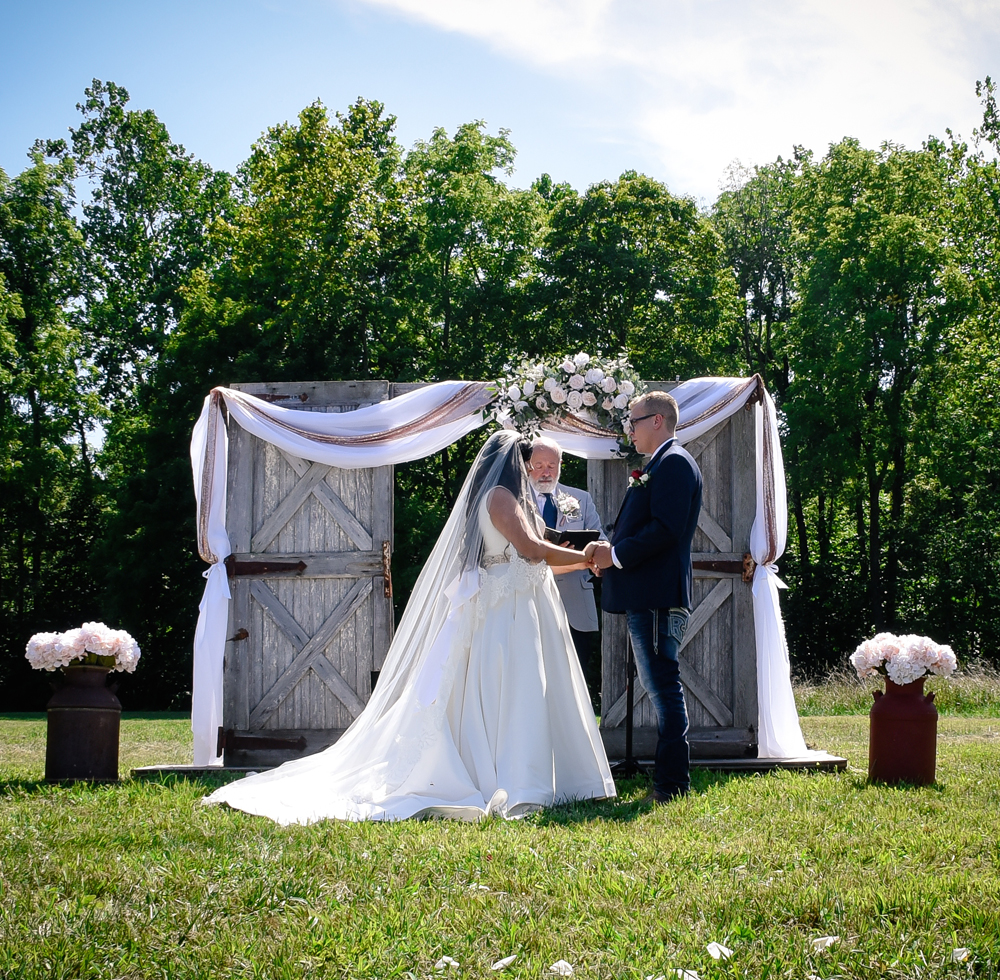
(578, 540)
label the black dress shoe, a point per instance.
(657, 798)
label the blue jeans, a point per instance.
(659, 672)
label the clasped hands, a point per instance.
(598, 556)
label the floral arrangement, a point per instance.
(567, 504)
(638, 478)
(93, 644)
(903, 659)
(597, 389)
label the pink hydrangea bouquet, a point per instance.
(903, 659)
(93, 643)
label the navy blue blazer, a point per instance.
(652, 537)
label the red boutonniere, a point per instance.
(638, 479)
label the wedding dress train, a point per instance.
(494, 718)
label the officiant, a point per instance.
(568, 508)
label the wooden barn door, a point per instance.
(718, 657)
(311, 613)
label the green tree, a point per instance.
(477, 241)
(146, 219)
(311, 280)
(51, 501)
(630, 267)
(880, 291)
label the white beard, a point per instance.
(545, 486)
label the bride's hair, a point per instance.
(502, 462)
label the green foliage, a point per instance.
(863, 286)
(51, 501)
(868, 277)
(630, 267)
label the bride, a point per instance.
(481, 706)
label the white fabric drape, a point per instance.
(410, 427)
(423, 422)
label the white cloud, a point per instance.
(699, 83)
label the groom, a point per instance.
(647, 576)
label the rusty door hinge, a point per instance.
(744, 568)
(234, 567)
(387, 569)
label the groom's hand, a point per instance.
(599, 552)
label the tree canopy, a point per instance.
(862, 285)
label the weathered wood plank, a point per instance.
(691, 679)
(236, 704)
(336, 507)
(706, 608)
(715, 531)
(744, 700)
(297, 636)
(285, 510)
(698, 446)
(340, 688)
(283, 685)
(318, 394)
(239, 488)
(702, 690)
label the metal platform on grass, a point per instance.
(820, 761)
(192, 771)
(817, 761)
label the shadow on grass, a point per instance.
(629, 805)
(9, 787)
(863, 782)
(31, 787)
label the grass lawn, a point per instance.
(138, 880)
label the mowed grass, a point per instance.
(974, 691)
(140, 880)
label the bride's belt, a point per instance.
(507, 574)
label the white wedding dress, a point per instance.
(495, 719)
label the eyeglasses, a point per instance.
(630, 422)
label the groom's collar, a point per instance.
(659, 451)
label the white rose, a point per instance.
(520, 406)
(608, 404)
(609, 385)
(558, 395)
(589, 398)
(549, 384)
(581, 360)
(529, 388)
(514, 393)
(621, 401)
(627, 388)
(595, 376)
(508, 423)
(577, 381)
(574, 400)
(541, 404)
(569, 366)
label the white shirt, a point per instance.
(540, 497)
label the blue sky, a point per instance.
(588, 88)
